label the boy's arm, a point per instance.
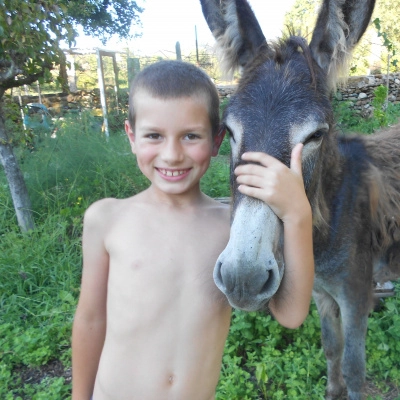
(90, 319)
(278, 186)
(290, 305)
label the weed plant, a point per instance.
(263, 360)
(350, 120)
(40, 279)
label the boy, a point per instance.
(150, 323)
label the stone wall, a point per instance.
(359, 90)
(60, 103)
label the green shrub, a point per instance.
(215, 182)
(39, 287)
(379, 104)
(349, 120)
(273, 362)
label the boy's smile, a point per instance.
(177, 174)
(172, 141)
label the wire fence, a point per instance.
(86, 77)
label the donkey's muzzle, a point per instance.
(250, 269)
(247, 289)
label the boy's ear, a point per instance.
(217, 140)
(131, 136)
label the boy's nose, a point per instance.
(172, 152)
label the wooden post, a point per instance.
(21, 107)
(387, 83)
(116, 87)
(39, 92)
(197, 46)
(71, 73)
(178, 51)
(100, 74)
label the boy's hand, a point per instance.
(271, 181)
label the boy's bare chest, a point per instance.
(144, 246)
(161, 265)
(172, 237)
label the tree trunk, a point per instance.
(63, 74)
(16, 183)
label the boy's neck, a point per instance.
(194, 197)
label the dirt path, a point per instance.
(56, 369)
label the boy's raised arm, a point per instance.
(283, 190)
(90, 319)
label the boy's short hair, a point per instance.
(176, 79)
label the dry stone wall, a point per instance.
(358, 90)
(60, 103)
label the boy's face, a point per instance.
(172, 141)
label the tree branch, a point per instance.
(11, 82)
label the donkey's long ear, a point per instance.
(339, 27)
(236, 30)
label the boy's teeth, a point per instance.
(172, 173)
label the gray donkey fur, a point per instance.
(352, 182)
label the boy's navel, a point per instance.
(171, 379)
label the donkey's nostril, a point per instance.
(223, 277)
(218, 276)
(217, 271)
(268, 281)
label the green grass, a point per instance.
(349, 120)
(40, 279)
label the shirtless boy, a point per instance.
(150, 323)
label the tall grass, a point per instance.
(77, 166)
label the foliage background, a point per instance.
(370, 55)
(40, 279)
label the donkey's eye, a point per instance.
(230, 134)
(318, 134)
(315, 136)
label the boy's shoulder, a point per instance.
(103, 206)
(219, 202)
(104, 210)
(220, 209)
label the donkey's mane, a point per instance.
(285, 47)
(281, 52)
(384, 186)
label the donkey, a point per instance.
(352, 182)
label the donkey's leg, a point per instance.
(354, 318)
(332, 342)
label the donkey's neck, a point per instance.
(342, 180)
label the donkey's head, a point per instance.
(282, 99)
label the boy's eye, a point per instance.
(153, 136)
(192, 136)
